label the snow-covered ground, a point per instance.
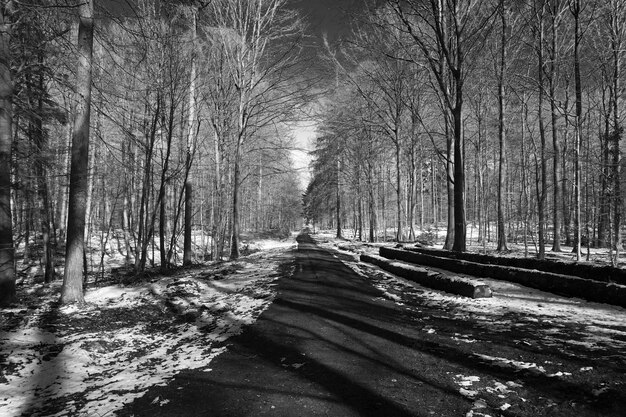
(587, 339)
(91, 361)
(606, 324)
(436, 236)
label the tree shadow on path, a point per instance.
(329, 345)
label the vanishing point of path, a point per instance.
(330, 345)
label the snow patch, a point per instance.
(128, 339)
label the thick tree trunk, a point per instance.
(450, 190)
(459, 175)
(72, 290)
(7, 253)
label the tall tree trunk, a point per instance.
(216, 219)
(459, 175)
(433, 191)
(567, 192)
(162, 231)
(525, 191)
(144, 235)
(579, 114)
(162, 196)
(372, 203)
(556, 158)
(188, 220)
(338, 198)
(603, 203)
(450, 190)
(126, 209)
(7, 251)
(421, 185)
(541, 200)
(259, 198)
(234, 247)
(72, 290)
(502, 246)
(190, 147)
(63, 197)
(359, 204)
(92, 170)
(382, 203)
(617, 21)
(41, 144)
(399, 231)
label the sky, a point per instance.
(329, 17)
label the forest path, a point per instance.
(331, 344)
(328, 345)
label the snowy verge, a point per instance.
(91, 361)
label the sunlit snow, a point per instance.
(128, 339)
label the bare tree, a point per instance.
(538, 28)
(260, 46)
(575, 8)
(7, 266)
(447, 32)
(616, 16)
(72, 291)
(502, 246)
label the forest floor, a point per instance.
(90, 361)
(524, 352)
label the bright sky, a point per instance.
(304, 134)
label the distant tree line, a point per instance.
(499, 113)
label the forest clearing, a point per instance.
(254, 207)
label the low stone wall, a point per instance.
(603, 273)
(561, 284)
(431, 279)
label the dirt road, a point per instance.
(332, 345)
